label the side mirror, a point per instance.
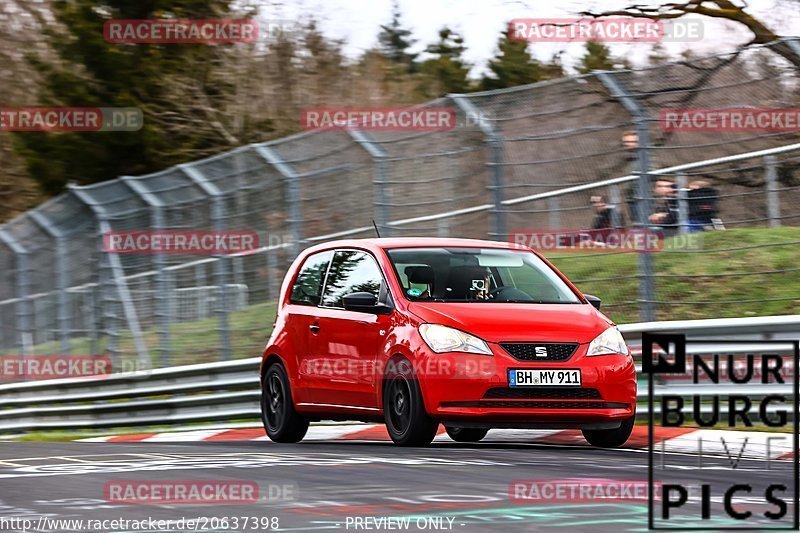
(594, 300)
(365, 302)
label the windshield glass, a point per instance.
(478, 275)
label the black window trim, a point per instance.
(322, 284)
(384, 287)
(579, 295)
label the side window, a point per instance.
(351, 271)
(307, 286)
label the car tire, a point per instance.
(281, 421)
(407, 421)
(610, 438)
(466, 434)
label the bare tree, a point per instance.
(21, 23)
(719, 9)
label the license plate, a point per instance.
(544, 378)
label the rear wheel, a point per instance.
(281, 421)
(407, 421)
(466, 434)
(610, 438)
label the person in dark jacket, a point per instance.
(703, 200)
(665, 210)
(630, 141)
(606, 216)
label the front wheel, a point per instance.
(466, 434)
(407, 421)
(281, 421)
(610, 438)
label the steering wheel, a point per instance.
(498, 290)
(511, 293)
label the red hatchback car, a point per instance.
(416, 332)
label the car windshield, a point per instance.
(478, 275)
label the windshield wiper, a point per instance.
(531, 302)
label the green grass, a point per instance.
(193, 342)
(199, 341)
(592, 272)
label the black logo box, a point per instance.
(664, 366)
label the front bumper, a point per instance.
(473, 390)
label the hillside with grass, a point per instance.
(746, 272)
(735, 273)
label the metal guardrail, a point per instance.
(229, 390)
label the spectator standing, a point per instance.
(703, 200)
(630, 141)
(606, 216)
(665, 212)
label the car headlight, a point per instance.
(443, 339)
(608, 342)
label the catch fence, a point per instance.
(520, 160)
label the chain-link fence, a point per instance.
(520, 160)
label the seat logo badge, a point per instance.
(541, 351)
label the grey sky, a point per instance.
(480, 22)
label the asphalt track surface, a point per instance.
(448, 486)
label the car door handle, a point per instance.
(314, 328)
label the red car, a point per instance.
(417, 332)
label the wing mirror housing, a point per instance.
(594, 300)
(365, 302)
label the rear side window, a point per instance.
(307, 288)
(351, 271)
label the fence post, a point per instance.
(442, 228)
(641, 120)
(379, 180)
(92, 312)
(220, 264)
(293, 189)
(615, 198)
(495, 163)
(200, 275)
(110, 318)
(683, 205)
(554, 213)
(773, 199)
(62, 277)
(116, 278)
(162, 294)
(272, 273)
(22, 307)
(238, 270)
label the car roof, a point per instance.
(415, 242)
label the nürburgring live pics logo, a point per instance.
(729, 496)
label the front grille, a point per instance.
(540, 351)
(546, 393)
(525, 404)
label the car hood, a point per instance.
(515, 322)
